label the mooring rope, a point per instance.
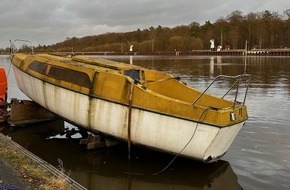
(162, 80)
(179, 153)
(7, 75)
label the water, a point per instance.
(258, 159)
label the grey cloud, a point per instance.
(51, 21)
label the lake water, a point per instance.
(259, 158)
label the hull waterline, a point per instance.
(159, 131)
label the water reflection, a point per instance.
(108, 168)
(267, 71)
(260, 155)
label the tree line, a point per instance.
(261, 30)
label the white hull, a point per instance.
(159, 131)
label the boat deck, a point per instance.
(153, 90)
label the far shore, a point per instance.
(226, 52)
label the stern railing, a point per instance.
(237, 83)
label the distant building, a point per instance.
(212, 44)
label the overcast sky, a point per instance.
(51, 21)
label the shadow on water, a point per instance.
(109, 168)
(260, 155)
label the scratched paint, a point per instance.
(163, 132)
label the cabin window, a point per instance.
(72, 76)
(38, 66)
(134, 74)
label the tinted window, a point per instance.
(134, 74)
(38, 66)
(72, 76)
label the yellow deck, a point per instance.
(110, 80)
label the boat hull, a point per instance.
(159, 131)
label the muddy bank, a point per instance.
(10, 178)
(20, 169)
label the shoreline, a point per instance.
(226, 52)
(239, 52)
(21, 169)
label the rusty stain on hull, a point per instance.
(159, 118)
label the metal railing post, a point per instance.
(237, 82)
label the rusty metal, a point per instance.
(24, 112)
(129, 120)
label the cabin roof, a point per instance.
(92, 62)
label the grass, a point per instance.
(31, 172)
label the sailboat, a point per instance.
(134, 104)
